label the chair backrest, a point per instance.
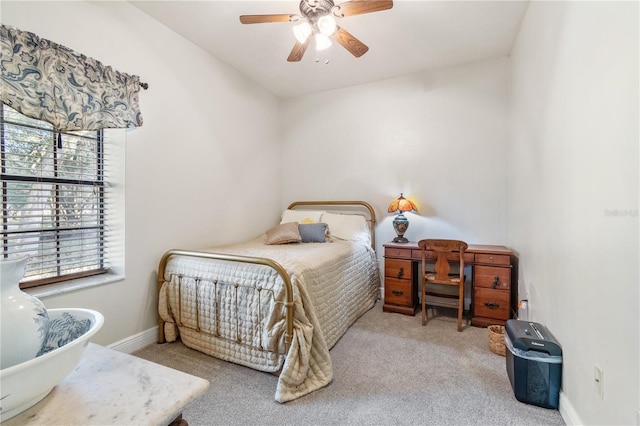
(443, 249)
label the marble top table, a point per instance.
(113, 388)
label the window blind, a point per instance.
(54, 200)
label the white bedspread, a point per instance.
(224, 315)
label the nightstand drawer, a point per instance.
(491, 303)
(495, 259)
(397, 268)
(397, 252)
(397, 292)
(492, 277)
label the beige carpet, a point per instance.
(388, 370)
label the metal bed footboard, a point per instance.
(233, 258)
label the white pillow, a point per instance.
(351, 227)
(301, 216)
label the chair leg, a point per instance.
(460, 306)
(424, 310)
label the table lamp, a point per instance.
(401, 223)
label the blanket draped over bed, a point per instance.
(220, 310)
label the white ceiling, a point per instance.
(413, 36)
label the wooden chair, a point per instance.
(446, 253)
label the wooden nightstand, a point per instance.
(400, 289)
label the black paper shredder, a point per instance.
(534, 363)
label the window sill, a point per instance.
(73, 285)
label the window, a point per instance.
(54, 204)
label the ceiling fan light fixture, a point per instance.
(317, 18)
(322, 42)
(327, 25)
(302, 31)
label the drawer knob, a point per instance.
(492, 305)
(496, 282)
(401, 272)
(397, 292)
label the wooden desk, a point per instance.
(113, 388)
(492, 289)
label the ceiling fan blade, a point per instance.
(349, 42)
(260, 19)
(358, 7)
(298, 50)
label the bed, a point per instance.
(279, 302)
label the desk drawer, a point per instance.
(432, 255)
(397, 252)
(397, 268)
(495, 259)
(492, 277)
(397, 292)
(491, 303)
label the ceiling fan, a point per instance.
(317, 21)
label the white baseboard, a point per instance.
(568, 413)
(137, 341)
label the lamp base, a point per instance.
(400, 224)
(400, 240)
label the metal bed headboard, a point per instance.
(360, 204)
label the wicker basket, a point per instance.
(496, 339)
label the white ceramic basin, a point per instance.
(24, 384)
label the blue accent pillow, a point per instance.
(313, 232)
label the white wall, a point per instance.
(440, 137)
(573, 195)
(209, 141)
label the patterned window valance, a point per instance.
(46, 81)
